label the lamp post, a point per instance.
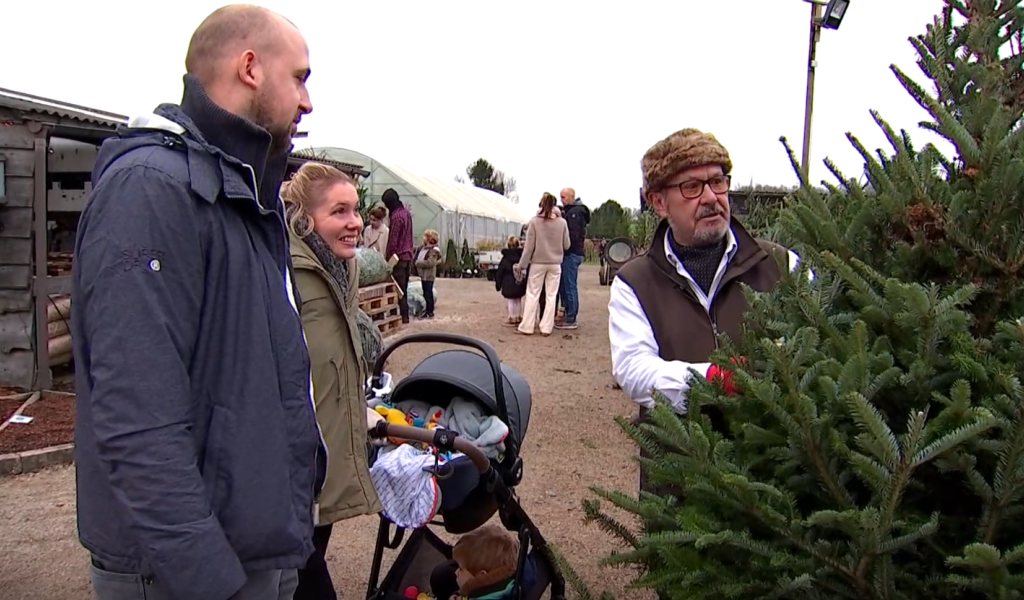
(835, 10)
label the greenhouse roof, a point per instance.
(449, 195)
(462, 197)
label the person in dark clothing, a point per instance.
(197, 452)
(505, 281)
(577, 217)
(400, 245)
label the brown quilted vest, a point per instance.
(682, 328)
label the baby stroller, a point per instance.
(476, 488)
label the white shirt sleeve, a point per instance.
(794, 262)
(636, 365)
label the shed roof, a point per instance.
(37, 104)
(309, 154)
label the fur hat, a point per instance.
(683, 149)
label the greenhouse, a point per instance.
(457, 211)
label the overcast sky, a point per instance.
(556, 92)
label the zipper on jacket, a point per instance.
(714, 327)
(315, 510)
(353, 331)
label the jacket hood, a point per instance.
(513, 253)
(167, 126)
(577, 204)
(144, 130)
(303, 255)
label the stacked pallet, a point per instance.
(58, 329)
(380, 302)
(59, 263)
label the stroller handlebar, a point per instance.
(442, 439)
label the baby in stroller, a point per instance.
(483, 567)
(475, 484)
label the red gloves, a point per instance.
(716, 372)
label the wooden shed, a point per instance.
(47, 151)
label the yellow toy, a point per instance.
(394, 417)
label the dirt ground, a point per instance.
(572, 443)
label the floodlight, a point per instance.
(834, 13)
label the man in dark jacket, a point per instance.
(197, 450)
(400, 244)
(577, 217)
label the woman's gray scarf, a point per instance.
(369, 335)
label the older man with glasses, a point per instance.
(668, 306)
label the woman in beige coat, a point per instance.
(547, 239)
(324, 225)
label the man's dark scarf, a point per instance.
(701, 262)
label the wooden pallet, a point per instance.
(377, 290)
(390, 325)
(380, 303)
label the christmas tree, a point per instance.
(875, 448)
(451, 259)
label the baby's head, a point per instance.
(512, 242)
(485, 556)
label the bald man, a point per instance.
(197, 450)
(577, 217)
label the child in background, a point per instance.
(483, 567)
(427, 258)
(512, 288)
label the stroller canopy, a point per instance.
(465, 373)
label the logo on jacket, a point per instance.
(133, 256)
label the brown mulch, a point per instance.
(8, 406)
(53, 423)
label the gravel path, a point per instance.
(572, 443)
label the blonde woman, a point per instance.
(323, 225)
(547, 239)
(376, 233)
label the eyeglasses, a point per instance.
(691, 189)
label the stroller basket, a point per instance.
(507, 397)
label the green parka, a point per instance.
(339, 374)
